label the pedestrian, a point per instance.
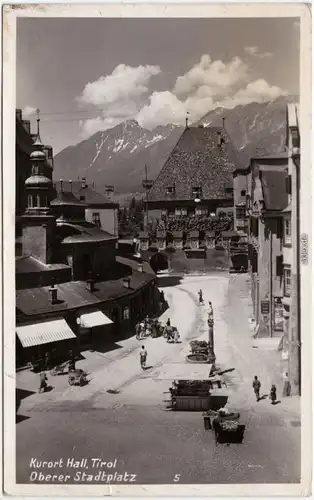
(287, 385)
(273, 394)
(176, 336)
(43, 381)
(138, 330)
(200, 297)
(168, 322)
(257, 387)
(210, 312)
(143, 357)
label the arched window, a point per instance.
(30, 201)
(38, 201)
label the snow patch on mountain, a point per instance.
(98, 148)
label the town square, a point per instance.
(161, 253)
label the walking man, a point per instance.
(143, 357)
(257, 387)
(43, 381)
(200, 297)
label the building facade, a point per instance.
(100, 210)
(266, 202)
(291, 254)
(72, 291)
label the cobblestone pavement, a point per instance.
(131, 426)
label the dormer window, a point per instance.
(197, 192)
(171, 189)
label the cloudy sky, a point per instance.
(87, 75)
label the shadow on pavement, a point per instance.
(20, 418)
(105, 347)
(21, 394)
(165, 281)
(265, 396)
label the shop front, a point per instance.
(94, 328)
(44, 343)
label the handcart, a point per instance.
(78, 377)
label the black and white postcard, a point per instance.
(157, 212)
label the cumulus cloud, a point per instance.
(126, 94)
(120, 95)
(257, 91)
(213, 77)
(125, 82)
(28, 111)
(254, 51)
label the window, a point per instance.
(170, 189)
(200, 211)
(287, 234)
(126, 313)
(288, 184)
(240, 212)
(30, 201)
(96, 219)
(180, 211)
(197, 192)
(287, 282)
(230, 214)
(243, 192)
(82, 197)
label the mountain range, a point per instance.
(118, 156)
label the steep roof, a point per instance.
(197, 161)
(274, 189)
(84, 232)
(66, 198)
(91, 197)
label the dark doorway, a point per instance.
(86, 265)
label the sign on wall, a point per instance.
(265, 306)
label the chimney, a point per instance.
(90, 282)
(109, 191)
(70, 182)
(53, 292)
(83, 183)
(61, 185)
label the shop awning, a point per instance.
(44, 332)
(94, 318)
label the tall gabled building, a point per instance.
(197, 176)
(195, 183)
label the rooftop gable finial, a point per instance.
(38, 142)
(187, 120)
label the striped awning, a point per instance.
(94, 318)
(44, 332)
